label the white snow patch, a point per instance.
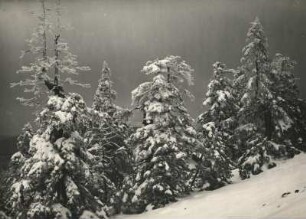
(257, 197)
(88, 215)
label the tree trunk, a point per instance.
(257, 80)
(194, 177)
(56, 51)
(268, 124)
(197, 172)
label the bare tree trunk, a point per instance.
(268, 124)
(44, 53)
(44, 35)
(168, 75)
(257, 80)
(56, 51)
(56, 40)
(196, 174)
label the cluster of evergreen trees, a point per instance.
(77, 161)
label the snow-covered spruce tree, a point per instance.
(111, 156)
(105, 94)
(51, 65)
(54, 178)
(289, 110)
(222, 107)
(215, 128)
(255, 129)
(166, 139)
(106, 141)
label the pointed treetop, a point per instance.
(218, 69)
(256, 20)
(256, 31)
(105, 95)
(256, 49)
(106, 72)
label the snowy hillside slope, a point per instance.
(276, 193)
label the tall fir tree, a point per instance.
(255, 67)
(164, 143)
(52, 63)
(255, 130)
(254, 114)
(215, 127)
(53, 177)
(106, 141)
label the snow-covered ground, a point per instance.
(276, 193)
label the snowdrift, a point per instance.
(276, 193)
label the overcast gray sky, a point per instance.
(127, 33)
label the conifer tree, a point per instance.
(255, 66)
(106, 141)
(221, 100)
(215, 128)
(255, 130)
(288, 117)
(105, 95)
(54, 177)
(64, 63)
(38, 69)
(254, 114)
(51, 65)
(164, 143)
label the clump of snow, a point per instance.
(55, 102)
(61, 212)
(209, 128)
(37, 209)
(88, 215)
